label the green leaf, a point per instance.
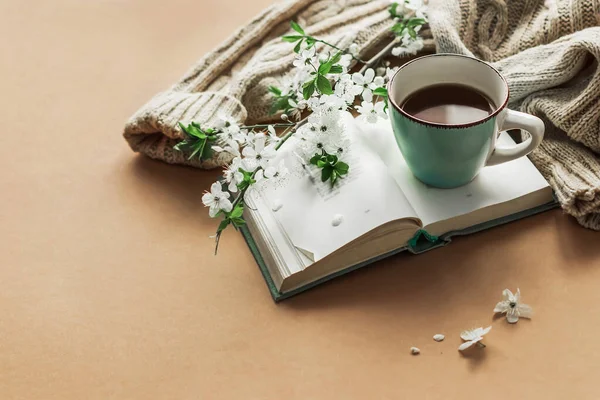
(195, 131)
(198, 149)
(322, 162)
(310, 42)
(182, 126)
(381, 91)
(392, 10)
(412, 33)
(224, 224)
(398, 28)
(308, 90)
(324, 68)
(207, 152)
(326, 173)
(334, 177)
(181, 146)
(414, 22)
(297, 27)
(279, 104)
(336, 58)
(238, 222)
(332, 159)
(298, 47)
(275, 91)
(336, 69)
(237, 211)
(342, 168)
(324, 85)
(315, 159)
(291, 38)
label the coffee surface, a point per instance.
(448, 104)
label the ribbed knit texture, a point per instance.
(234, 78)
(547, 50)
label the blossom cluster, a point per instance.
(324, 85)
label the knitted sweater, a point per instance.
(543, 49)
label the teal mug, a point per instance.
(451, 155)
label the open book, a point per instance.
(305, 232)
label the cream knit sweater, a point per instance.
(547, 50)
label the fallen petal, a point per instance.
(465, 346)
(502, 307)
(438, 337)
(485, 331)
(415, 351)
(525, 311)
(512, 317)
(468, 335)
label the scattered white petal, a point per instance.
(337, 219)
(277, 204)
(415, 350)
(438, 337)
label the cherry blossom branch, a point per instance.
(263, 126)
(382, 54)
(340, 50)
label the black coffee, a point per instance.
(448, 104)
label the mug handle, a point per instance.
(518, 120)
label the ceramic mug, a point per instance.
(448, 156)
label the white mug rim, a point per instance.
(497, 111)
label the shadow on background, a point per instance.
(443, 280)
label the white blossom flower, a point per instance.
(345, 61)
(297, 108)
(372, 112)
(418, 6)
(368, 82)
(276, 172)
(332, 102)
(258, 154)
(339, 147)
(232, 175)
(353, 49)
(326, 122)
(313, 141)
(401, 6)
(272, 135)
(390, 72)
(513, 308)
(216, 200)
(314, 103)
(472, 337)
(324, 56)
(224, 120)
(346, 89)
(232, 148)
(409, 47)
(305, 57)
(231, 136)
(404, 6)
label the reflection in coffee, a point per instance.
(448, 104)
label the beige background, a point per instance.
(109, 289)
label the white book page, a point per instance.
(494, 185)
(365, 199)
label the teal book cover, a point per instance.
(420, 243)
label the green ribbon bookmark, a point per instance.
(412, 243)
